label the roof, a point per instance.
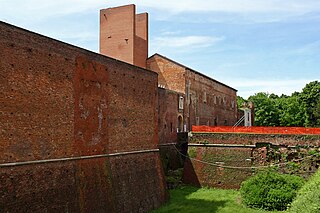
(192, 70)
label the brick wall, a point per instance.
(247, 150)
(141, 40)
(60, 101)
(206, 175)
(168, 123)
(211, 103)
(168, 115)
(124, 34)
(117, 32)
(171, 75)
(206, 101)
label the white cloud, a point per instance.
(39, 9)
(234, 6)
(185, 42)
(231, 6)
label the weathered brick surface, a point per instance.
(171, 75)
(132, 110)
(168, 115)
(39, 188)
(36, 98)
(168, 112)
(204, 174)
(206, 101)
(129, 189)
(211, 103)
(60, 101)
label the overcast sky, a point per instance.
(252, 45)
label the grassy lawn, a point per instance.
(189, 199)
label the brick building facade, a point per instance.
(202, 101)
(186, 97)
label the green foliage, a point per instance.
(192, 152)
(270, 190)
(299, 109)
(310, 97)
(308, 198)
(291, 111)
(266, 111)
(189, 199)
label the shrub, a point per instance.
(308, 197)
(270, 190)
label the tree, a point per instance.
(310, 97)
(299, 109)
(266, 111)
(291, 111)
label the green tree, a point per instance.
(310, 97)
(299, 109)
(266, 110)
(291, 111)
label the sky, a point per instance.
(253, 46)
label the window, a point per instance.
(180, 102)
(204, 97)
(215, 122)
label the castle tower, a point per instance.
(124, 34)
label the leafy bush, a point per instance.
(270, 190)
(308, 197)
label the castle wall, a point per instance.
(168, 116)
(170, 75)
(78, 129)
(211, 103)
(205, 101)
(168, 110)
(227, 159)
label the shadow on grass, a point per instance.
(182, 200)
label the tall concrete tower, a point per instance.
(124, 34)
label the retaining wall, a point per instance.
(222, 159)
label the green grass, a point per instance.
(189, 199)
(308, 198)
